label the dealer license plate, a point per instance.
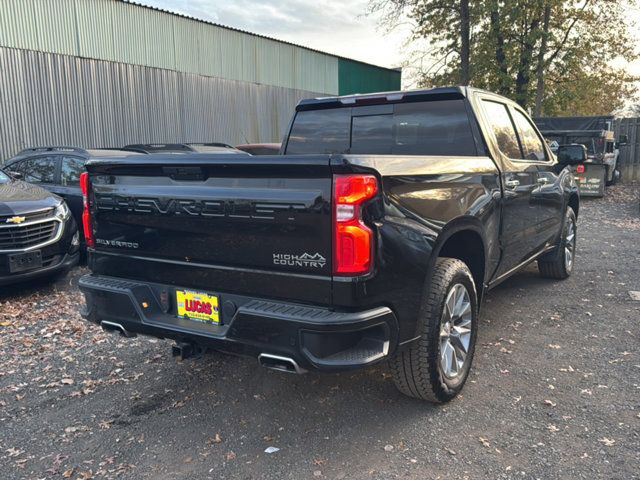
(197, 306)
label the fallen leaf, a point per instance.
(550, 403)
(609, 442)
(68, 473)
(67, 381)
(484, 442)
(553, 428)
(230, 456)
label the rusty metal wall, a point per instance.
(629, 159)
(51, 99)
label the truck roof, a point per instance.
(441, 93)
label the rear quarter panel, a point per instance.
(425, 199)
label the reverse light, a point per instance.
(85, 186)
(580, 169)
(353, 240)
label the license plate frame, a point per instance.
(23, 262)
(198, 306)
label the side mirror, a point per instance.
(623, 140)
(571, 154)
(16, 175)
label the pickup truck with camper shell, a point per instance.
(373, 236)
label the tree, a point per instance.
(551, 56)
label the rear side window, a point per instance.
(532, 147)
(423, 128)
(500, 122)
(37, 170)
(70, 171)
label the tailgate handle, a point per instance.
(184, 173)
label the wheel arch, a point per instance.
(574, 202)
(464, 239)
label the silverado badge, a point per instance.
(17, 220)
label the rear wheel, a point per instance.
(436, 366)
(559, 263)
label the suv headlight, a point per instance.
(62, 211)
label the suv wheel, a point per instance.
(559, 263)
(436, 366)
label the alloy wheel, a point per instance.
(569, 245)
(455, 331)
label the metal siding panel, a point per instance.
(55, 22)
(128, 33)
(267, 62)
(18, 28)
(129, 37)
(51, 99)
(210, 50)
(356, 77)
(249, 58)
(186, 46)
(95, 29)
(159, 39)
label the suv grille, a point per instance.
(17, 237)
(29, 217)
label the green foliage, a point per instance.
(567, 53)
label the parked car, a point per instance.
(38, 235)
(373, 237)
(212, 147)
(260, 148)
(58, 170)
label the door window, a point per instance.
(70, 172)
(38, 170)
(500, 122)
(532, 147)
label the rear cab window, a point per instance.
(438, 127)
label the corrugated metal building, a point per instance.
(104, 73)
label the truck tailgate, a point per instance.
(241, 225)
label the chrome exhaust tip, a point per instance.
(116, 327)
(281, 364)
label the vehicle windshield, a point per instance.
(439, 127)
(4, 178)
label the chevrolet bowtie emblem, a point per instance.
(16, 220)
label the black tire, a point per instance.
(614, 176)
(555, 265)
(418, 371)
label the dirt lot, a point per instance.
(554, 392)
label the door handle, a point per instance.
(512, 183)
(543, 180)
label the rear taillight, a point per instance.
(85, 185)
(352, 240)
(580, 169)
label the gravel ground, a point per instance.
(554, 391)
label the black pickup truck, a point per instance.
(373, 236)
